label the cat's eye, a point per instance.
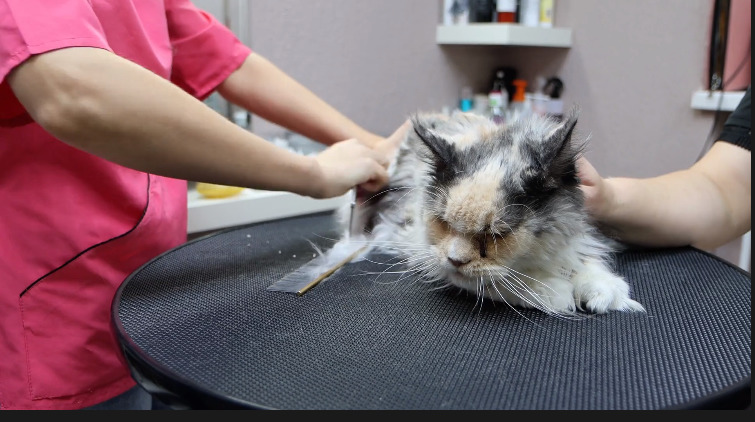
(483, 239)
(482, 242)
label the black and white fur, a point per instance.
(494, 210)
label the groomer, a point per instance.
(101, 124)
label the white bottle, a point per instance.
(529, 12)
(481, 104)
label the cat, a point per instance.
(495, 210)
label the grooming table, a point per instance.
(199, 330)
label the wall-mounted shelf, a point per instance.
(707, 100)
(503, 34)
(252, 206)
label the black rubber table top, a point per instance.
(199, 330)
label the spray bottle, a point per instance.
(518, 108)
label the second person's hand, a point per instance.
(597, 193)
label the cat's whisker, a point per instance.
(529, 208)
(506, 284)
(506, 244)
(409, 191)
(516, 286)
(419, 268)
(385, 192)
(533, 298)
(424, 268)
(526, 294)
(395, 243)
(442, 286)
(403, 272)
(518, 273)
(503, 299)
(413, 265)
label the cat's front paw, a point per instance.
(598, 290)
(600, 302)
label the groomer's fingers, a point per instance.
(380, 157)
(347, 164)
(372, 153)
(378, 179)
(390, 145)
(399, 134)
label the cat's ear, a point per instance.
(559, 145)
(561, 151)
(440, 149)
(432, 148)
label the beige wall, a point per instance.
(633, 67)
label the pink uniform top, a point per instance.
(73, 226)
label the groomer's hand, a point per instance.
(349, 163)
(389, 146)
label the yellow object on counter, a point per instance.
(209, 190)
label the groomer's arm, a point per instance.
(265, 90)
(705, 205)
(115, 109)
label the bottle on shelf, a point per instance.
(455, 12)
(481, 104)
(482, 11)
(538, 99)
(498, 98)
(529, 12)
(467, 101)
(497, 103)
(553, 88)
(506, 11)
(502, 79)
(519, 107)
(546, 13)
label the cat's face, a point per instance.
(491, 194)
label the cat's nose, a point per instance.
(457, 263)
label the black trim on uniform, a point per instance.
(144, 212)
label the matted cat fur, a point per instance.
(493, 210)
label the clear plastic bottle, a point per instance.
(498, 97)
(497, 101)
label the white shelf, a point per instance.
(707, 100)
(503, 34)
(252, 206)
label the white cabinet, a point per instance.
(252, 206)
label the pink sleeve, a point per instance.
(205, 52)
(31, 27)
